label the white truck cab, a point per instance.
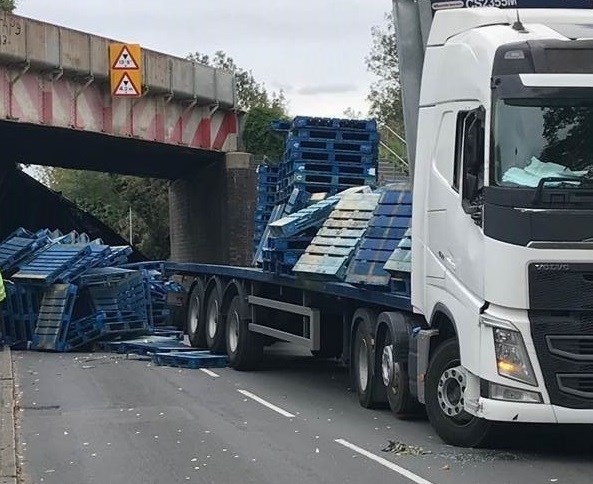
(501, 128)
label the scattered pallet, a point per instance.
(190, 359)
(54, 318)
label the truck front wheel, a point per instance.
(244, 348)
(444, 394)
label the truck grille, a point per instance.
(571, 347)
(563, 342)
(579, 385)
(560, 287)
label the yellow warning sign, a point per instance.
(126, 87)
(125, 61)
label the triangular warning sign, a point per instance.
(125, 60)
(126, 87)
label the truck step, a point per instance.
(190, 359)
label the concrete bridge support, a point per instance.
(211, 213)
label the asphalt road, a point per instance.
(105, 419)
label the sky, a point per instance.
(312, 49)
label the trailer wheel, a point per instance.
(195, 320)
(214, 324)
(244, 348)
(444, 392)
(394, 376)
(366, 383)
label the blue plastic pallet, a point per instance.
(147, 346)
(54, 318)
(330, 134)
(19, 246)
(190, 359)
(355, 170)
(48, 264)
(391, 220)
(330, 156)
(334, 123)
(364, 147)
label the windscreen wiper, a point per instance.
(542, 183)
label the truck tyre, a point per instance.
(444, 389)
(214, 322)
(394, 375)
(195, 320)
(244, 348)
(366, 383)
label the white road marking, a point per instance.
(266, 404)
(209, 372)
(384, 462)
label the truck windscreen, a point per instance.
(542, 138)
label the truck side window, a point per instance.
(459, 131)
(471, 154)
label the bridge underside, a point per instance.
(86, 150)
(211, 193)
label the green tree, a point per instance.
(109, 198)
(262, 106)
(385, 92)
(250, 92)
(258, 137)
(7, 5)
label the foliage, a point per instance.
(259, 138)
(250, 92)
(7, 5)
(385, 92)
(383, 62)
(109, 198)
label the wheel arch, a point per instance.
(233, 288)
(443, 321)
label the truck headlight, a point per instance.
(512, 360)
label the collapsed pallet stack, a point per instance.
(323, 157)
(65, 293)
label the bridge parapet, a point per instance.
(55, 76)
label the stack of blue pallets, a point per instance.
(267, 183)
(328, 155)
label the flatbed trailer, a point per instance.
(313, 301)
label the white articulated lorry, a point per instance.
(501, 133)
(498, 108)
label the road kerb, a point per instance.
(7, 436)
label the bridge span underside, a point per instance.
(211, 193)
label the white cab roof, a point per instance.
(448, 23)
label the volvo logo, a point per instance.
(552, 267)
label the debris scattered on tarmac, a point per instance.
(399, 448)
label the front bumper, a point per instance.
(501, 411)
